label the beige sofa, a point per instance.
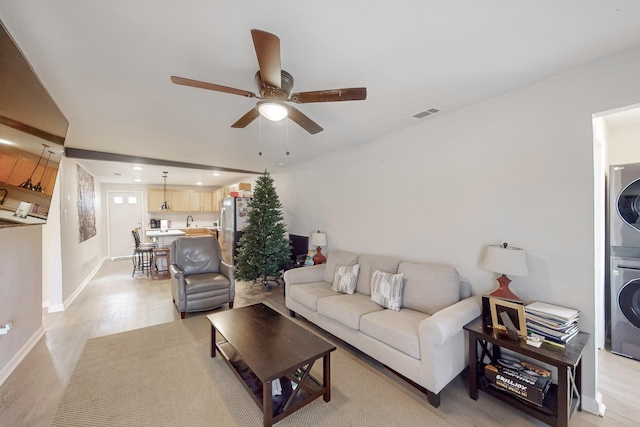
(423, 341)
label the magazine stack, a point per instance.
(522, 379)
(551, 323)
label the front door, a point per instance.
(124, 214)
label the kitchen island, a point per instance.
(8, 218)
(164, 238)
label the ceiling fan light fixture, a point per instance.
(273, 110)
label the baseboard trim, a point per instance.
(84, 283)
(595, 405)
(21, 354)
(55, 308)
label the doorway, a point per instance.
(616, 133)
(124, 213)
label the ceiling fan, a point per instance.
(274, 86)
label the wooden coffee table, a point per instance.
(263, 347)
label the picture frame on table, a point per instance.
(508, 313)
(309, 259)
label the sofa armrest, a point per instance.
(228, 270)
(435, 330)
(309, 274)
(177, 286)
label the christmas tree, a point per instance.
(263, 248)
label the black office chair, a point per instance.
(142, 254)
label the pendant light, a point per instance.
(165, 206)
(38, 186)
(28, 184)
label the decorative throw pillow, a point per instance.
(386, 289)
(345, 279)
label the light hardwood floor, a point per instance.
(114, 302)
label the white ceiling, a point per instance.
(107, 65)
(123, 173)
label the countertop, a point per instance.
(159, 233)
(8, 216)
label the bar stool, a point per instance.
(142, 254)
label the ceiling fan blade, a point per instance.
(267, 48)
(331, 95)
(246, 119)
(211, 86)
(305, 122)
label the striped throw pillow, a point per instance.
(386, 289)
(345, 279)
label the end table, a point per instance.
(561, 400)
(160, 264)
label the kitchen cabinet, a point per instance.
(16, 170)
(49, 180)
(155, 198)
(195, 201)
(184, 200)
(181, 201)
(207, 201)
(7, 163)
(216, 200)
(22, 171)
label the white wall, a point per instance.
(517, 168)
(51, 255)
(79, 260)
(624, 145)
(20, 293)
(21, 267)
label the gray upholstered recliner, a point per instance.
(200, 280)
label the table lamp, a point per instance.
(504, 259)
(318, 239)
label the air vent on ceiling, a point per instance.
(423, 114)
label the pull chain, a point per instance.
(260, 152)
(287, 142)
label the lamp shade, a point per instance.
(318, 239)
(505, 259)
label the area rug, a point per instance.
(164, 376)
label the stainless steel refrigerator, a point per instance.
(233, 219)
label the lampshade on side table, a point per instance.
(504, 259)
(318, 239)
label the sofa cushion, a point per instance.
(197, 283)
(398, 329)
(429, 287)
(370, 262)
(386, 289)
(345, 279)
(347, 309)
(334, 259)
(197, 255)
(307, 294)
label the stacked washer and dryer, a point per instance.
(624, 251)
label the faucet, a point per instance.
(5, 195)
(189, 216)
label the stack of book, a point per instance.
(521, 379)
(551, 323)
